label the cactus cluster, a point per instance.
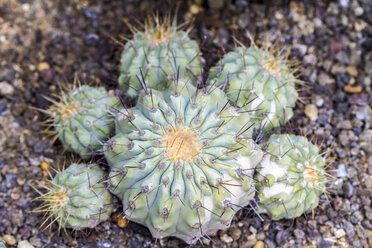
(185, 158)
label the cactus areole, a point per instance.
(182, 161)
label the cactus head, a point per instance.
(82, 118)
(259, 81)
(182, 161)
(157, 56)
(76, 198)
(292, 177)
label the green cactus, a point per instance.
(292, 177)
(158, 55)
(258, 81)
(182, 161)
(82, 118)
(76, 197)
(2, 243)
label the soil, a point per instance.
(45, 44)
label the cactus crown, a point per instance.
(159, 32)
(275, 62)
(64, 109)
(181, 143)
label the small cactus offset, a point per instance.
(82, 118)
(157, 55)
(259, 82)
(291, 178)
(76, 198)
(182, 161)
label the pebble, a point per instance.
(348, 190)
(311, 112)
(344, 3)
(344, 138)
(339, 233)
(92, 39)
(318, 100)
(195, 9)
(310, 59)
(43, 66)
(259, 244)
(352, 89)
(352, 71)
(281, 237)
(359, 99)
(6, 89)
(299, 234)
(25, 244)
(349, 229)
(301, 48)
(358, 11)
(3, 108)
(235, 233)
(9, 239)
(226, 238)
(341, 171)
(324, 79)
(344, 124)
(356, 218)
(269, 243)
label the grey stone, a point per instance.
(341, 171)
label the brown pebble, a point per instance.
(195, 9)
(352, 71)
(9, 239)
(352, 89)
(44, 166)
(120, 220)
(259, 244)
(311, 112)
(43, 66)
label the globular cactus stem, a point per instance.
(77, 198)
(259, 80)
(291, 178)
(182, 161)
(157, 56)
(2, 243)
(82, 118)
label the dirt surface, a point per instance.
(44, 43)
